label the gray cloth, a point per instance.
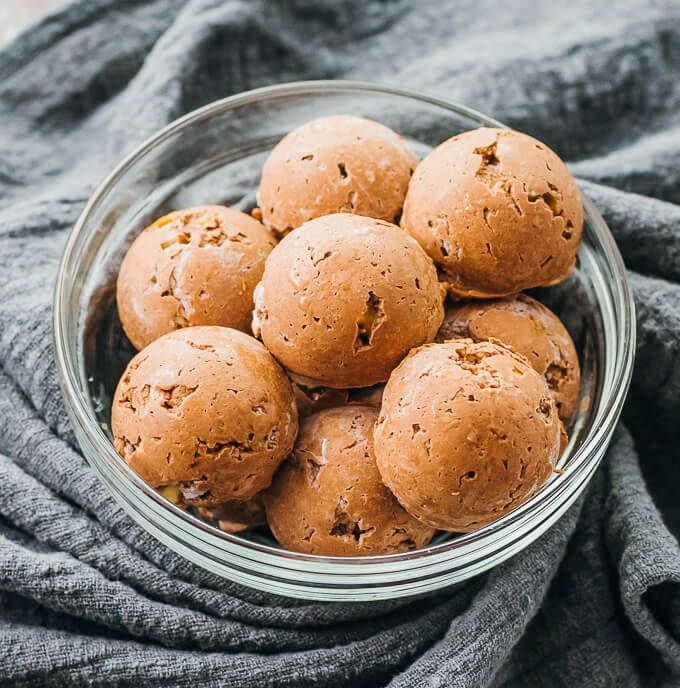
(88, 598)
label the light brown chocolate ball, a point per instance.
(344, 298)
(467, 432)
(497, 211)
(196, 266)
(335, 164)
(328, 498)
(236, 516)
(529, 328)
(206, 414)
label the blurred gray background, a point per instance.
(16, 15)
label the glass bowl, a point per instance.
(214, 155)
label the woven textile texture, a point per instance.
(88, 598)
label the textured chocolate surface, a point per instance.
(328, 498)
(339, 164)
(497, 211)
(344, 298)
(467, 432)
(204, 414)
(196, 266)
(529, 328)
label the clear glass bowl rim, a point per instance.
(579, 468)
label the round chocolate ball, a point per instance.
(328, 498)
(335, 164)
(467, 432)
(196, 266)
(344, 298)
(205, 414)
(497, 211)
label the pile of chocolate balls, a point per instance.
(354, 363)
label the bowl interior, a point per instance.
(216, 158)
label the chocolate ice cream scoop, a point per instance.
(497, 211)
(328, 498)
(335, 164)
(529, 328)
(467, 432)
(206, 414)
(344, 298)
(236, 516)
(196, 266)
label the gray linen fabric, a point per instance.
(87, 598)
